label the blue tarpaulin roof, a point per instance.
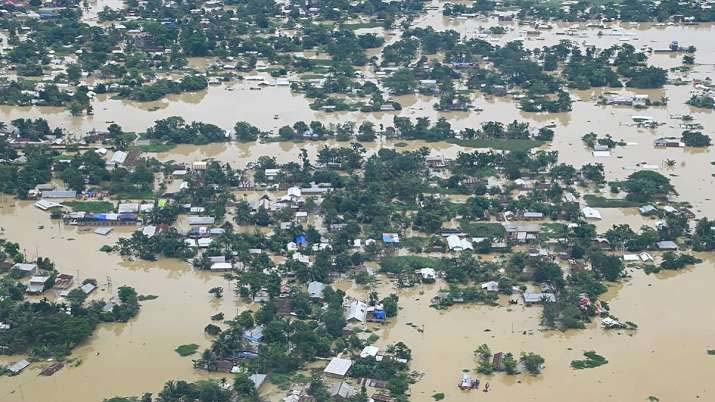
(390, 238)
(300, 239)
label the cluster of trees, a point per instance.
(531, 362)
(695, 139)
(169, 244)
(175, 130)
(19, 179)
(477, 7)
(647, 186)
(33, 130)
(623, 10)
(702, 101)
(47, 329)
(162, 87)
(21, 93)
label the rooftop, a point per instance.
(338, 366)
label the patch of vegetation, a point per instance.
(187, 350)
(672, 261)
(147, 297)
(90, 206)
(597, 201)
(438, 396)
(483, 229)
(701, 101)
(592, 360)
(155, 148)
(532, 362)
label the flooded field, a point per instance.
(666, 357)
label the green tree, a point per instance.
(243, 385)
(245, 132)
(609, 267)
(647, 185)
(532, 362)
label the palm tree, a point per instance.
(670, 163)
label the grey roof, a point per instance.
(103, 231)
(647, 208)
(200, 220)
(24, 267)
(88, 288)
(258, 379)
(254, 334)
(315, 289)
(523, 227)
(342, 390)
(356, 311)
(119, 157)
(18, 366)
(338, 366)
(59, 194)
(538, 297)
(666, 245)
(128, 207)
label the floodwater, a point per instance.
(666, 357)
(119, 359)
(127, 359)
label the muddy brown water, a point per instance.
(119, 359)
(666, 357)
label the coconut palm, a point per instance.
(670, 163)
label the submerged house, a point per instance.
(668, 142)
(17, 367)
